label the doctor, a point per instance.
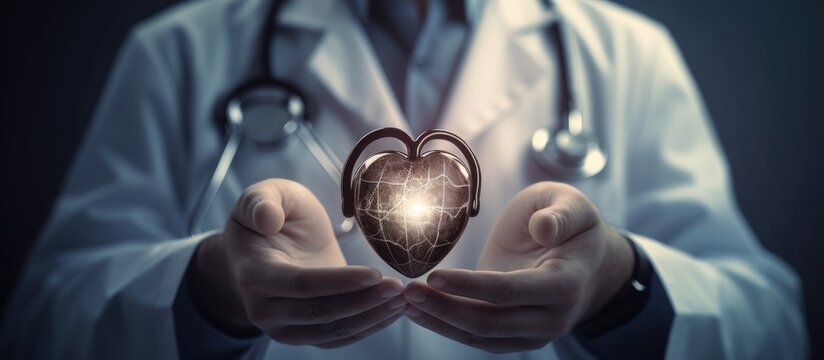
(649, 258)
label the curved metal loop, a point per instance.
(346, 182)
(472, 162)
(413, 151)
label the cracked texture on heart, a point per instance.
(413, 212)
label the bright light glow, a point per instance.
(576, 122)
(412, 212)
(416, 209)
(540, 139)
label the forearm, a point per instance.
(99, 301)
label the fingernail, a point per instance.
(391, 291)
(396, 303)
(371, 279)
(258, 202)
(415, 295)
(437, 282)
(412, 311)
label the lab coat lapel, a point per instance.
(500, 67)
(345, 63)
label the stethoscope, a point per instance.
(266, 111)
(569, 151)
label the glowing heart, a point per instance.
(412, 212)
(413, 207)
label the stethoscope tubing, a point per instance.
(209, 193)
(573, 122)
(319, 149)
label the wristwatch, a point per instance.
(627, 303)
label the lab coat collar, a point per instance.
(500, 66)
(344, 61)
(498, 70)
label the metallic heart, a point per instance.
(412, 211)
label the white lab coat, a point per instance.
(104, 274)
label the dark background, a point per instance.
(759, 64)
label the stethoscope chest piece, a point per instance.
(265, 114)
(568, 153)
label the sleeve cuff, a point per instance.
(644, 336)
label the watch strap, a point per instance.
(627, 303)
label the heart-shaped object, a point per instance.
(412, 208)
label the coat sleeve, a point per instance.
(731, 297)
(102, 278)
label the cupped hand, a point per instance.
(277, 268)
(549, 263)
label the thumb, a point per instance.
(264, 206)
(566, 213)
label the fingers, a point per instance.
(479, 318)
(341, 329)
(540, 286)
(277, 279)
(332, 308)
(562, 213)
(361, 335)
(491, 344)
(260, 208)
(265, 206)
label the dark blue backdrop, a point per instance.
(758, 63)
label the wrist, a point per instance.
(213, 290)
(630, 299)
(614, 273)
